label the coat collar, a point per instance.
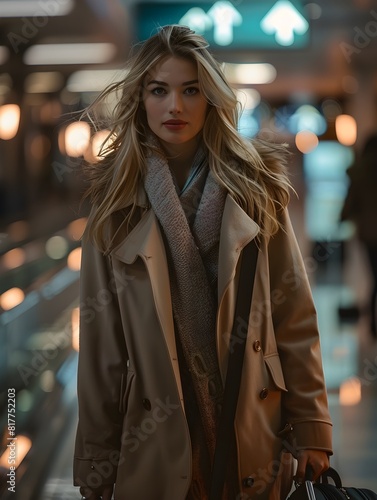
(237, 229)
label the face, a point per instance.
(174, 105)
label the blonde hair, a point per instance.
(253, 172)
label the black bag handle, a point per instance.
(324, 478)
(249, 259)
(331, 473)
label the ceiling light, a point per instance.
(250, 74)
(93, 80)
(29, 8)
(70, 53)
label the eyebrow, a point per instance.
(164, 84)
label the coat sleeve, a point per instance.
(305, 404)
(102, 361)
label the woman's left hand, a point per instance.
(317, 459)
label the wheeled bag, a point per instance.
(323, 490)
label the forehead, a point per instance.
(174, 70)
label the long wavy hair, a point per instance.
(253, 171)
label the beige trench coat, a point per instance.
(132, 428)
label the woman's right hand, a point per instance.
(104, 493)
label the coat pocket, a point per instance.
(275, 371)
(125, 388)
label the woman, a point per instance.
(360, 206)
(176, 198)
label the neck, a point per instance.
(180, 158)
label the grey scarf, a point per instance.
(191, 229)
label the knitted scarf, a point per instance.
(191, 230)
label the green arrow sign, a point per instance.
(260, 24)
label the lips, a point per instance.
(175, 122)
(175, 125)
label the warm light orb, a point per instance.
(350, 392)
(306, 141)
(14, 258)
(21, 445)
(346, 129)
(75, 320)
(74, 259)
(77, 139)
(9, 121)
(76, 228)
(11, 298)
(100, 142)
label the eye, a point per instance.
(158, 91)
(191, 91)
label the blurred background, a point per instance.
(306, 74)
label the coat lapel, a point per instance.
(145, 241)
(237, 229)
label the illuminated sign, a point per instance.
(263, 24)
(284, 21)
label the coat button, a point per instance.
(248, 482)
(147, 404)
(263, 393)
(257, 346)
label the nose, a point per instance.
(175, 104)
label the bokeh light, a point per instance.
(56, 247)
(306, 141)
(77, 139)
(74, 259)
(9, 121)
(14, 258)
(11, 298)
(346, 129)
